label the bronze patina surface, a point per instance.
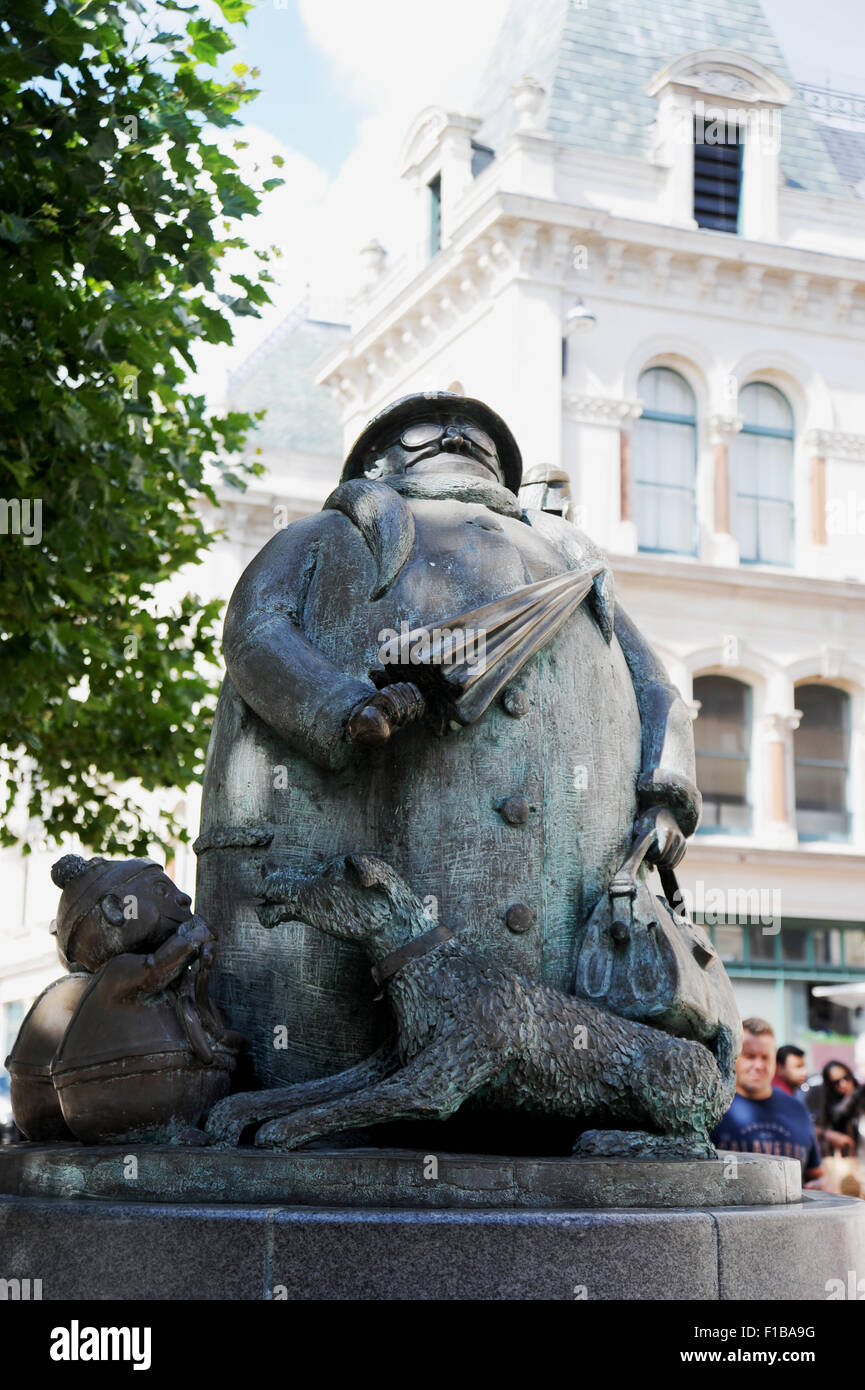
(434, 682)
(402, 1179)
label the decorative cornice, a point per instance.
(799, 291)
(834, 444)
(707, 274)
(601, 410)
(512, 242)
(753, 284)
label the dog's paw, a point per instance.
(284, 1135)
(634, 1143)
(227, 1120)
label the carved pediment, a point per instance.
(723, 72)
(725, 82)
(423, 135)
(426, 132)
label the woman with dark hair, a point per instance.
(835, 1108)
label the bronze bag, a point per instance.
(643, 958)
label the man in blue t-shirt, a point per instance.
(762, 1119)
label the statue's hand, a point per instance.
(368, 724)
(196, 931)
(669, 844)
(373, 720)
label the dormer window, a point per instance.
(718, 146)
(717, 136)
(439, 161)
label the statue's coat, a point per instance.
(284, 787)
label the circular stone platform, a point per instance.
(113, 1223)
(393, 1178)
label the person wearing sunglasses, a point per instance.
(836, 1106)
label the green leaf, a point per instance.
(235, 10)
(15, 229)
(100, 423)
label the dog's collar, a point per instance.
(412, 950)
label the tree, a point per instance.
(120, 210)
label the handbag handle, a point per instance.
(623, 891)
(624, 881)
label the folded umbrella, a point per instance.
(462, 663)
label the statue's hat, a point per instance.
(385, 428)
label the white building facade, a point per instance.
(657, 276)
(646, 253)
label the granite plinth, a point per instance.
(87, 1249)
(393, 1179)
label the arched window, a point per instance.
(722, 737)
(665, 464)
(762, 477)
(822, 755)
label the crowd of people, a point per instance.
(777, 1110)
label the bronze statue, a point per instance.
(35, 1102)
(139, 1053)
(430, 674)
(469, 1026)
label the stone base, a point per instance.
(185, 1224)
(85, 1249)
(393, 1178)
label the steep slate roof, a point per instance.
(847, 148)
(280, 376)
(595, 59)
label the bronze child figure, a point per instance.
(145, 1055)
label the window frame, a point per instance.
(648, 413)
(847, 705)
(434, 188)
(747, 758)
(768, 432)
(701, 172)
(747, 966)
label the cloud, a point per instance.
(402, 54)
(394, 57)
(291, 219)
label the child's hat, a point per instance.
(84, 882)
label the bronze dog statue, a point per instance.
(466, 1024)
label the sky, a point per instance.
(341, 82)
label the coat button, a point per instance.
(515, 702)
(519, 918)
(514, 810)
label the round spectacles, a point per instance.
(420, 435)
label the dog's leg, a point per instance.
(227, 1120)
(432, 1086)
